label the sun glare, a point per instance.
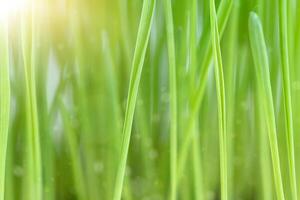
(9, 8)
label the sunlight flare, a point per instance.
(9, 8)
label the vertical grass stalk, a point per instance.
(221, 99)
(260, 56)
(4, 102)
(285, 68)
(192, 42)
(137, 66)
(224, 11)
(33, 153)
(79, 182)
(173, 97)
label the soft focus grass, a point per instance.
(145, 99)
(4, 102)
(265, 92)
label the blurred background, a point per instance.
(81, 60)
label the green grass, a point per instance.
(137, 66)
(285, 67)
(33, 182)
(260, 56)
(171, 99)
(198, 93)
(220, 84)
(73, 148)
(4, 103)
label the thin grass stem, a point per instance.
(137, 66)
(285, 68)
(4, 102)
(197, 97)
(173, 98)
(261, 62)
(33, 156)
(220, 84)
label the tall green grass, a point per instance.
(264, 86)
(285, 67)
(220, 84)
(4, 102)
(137, 66)
(33, 184)
(172, 99)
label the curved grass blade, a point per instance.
(173, 97)
(193, 63)
(220, 84)
(33, 156)
(192, 42)
(137, 66)
(264, 153)
(231, 45)
(224, 11)
(259, 52)
(285, 68)
(4, 103)
(79, 84)
(197, 166)
(72, 146)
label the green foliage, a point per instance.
(261, 62)
(136, 71)
(172, 99)
(220, 84)
(4, 102)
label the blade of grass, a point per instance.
(4, 102)
(193, 64)
(260, 56)
(46, 138)
(192, 41)
(34, 176)
(220, 84)
(230, 82)
(74, 155)
(196, 99)
(111, 75)
(81, 98)
(266, 185)
(126, 36)
(285, 67)
(13, 185)
(173, 98)
(197, 168)
(137, 66)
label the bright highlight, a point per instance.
(9, 8)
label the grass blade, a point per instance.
(265, 161)
(137, 66)
(34, 176)
(196, 98)
(285, 68)
(259, 52)
(221, 98)
(72, 144)
(173, 97)
(4, 102)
